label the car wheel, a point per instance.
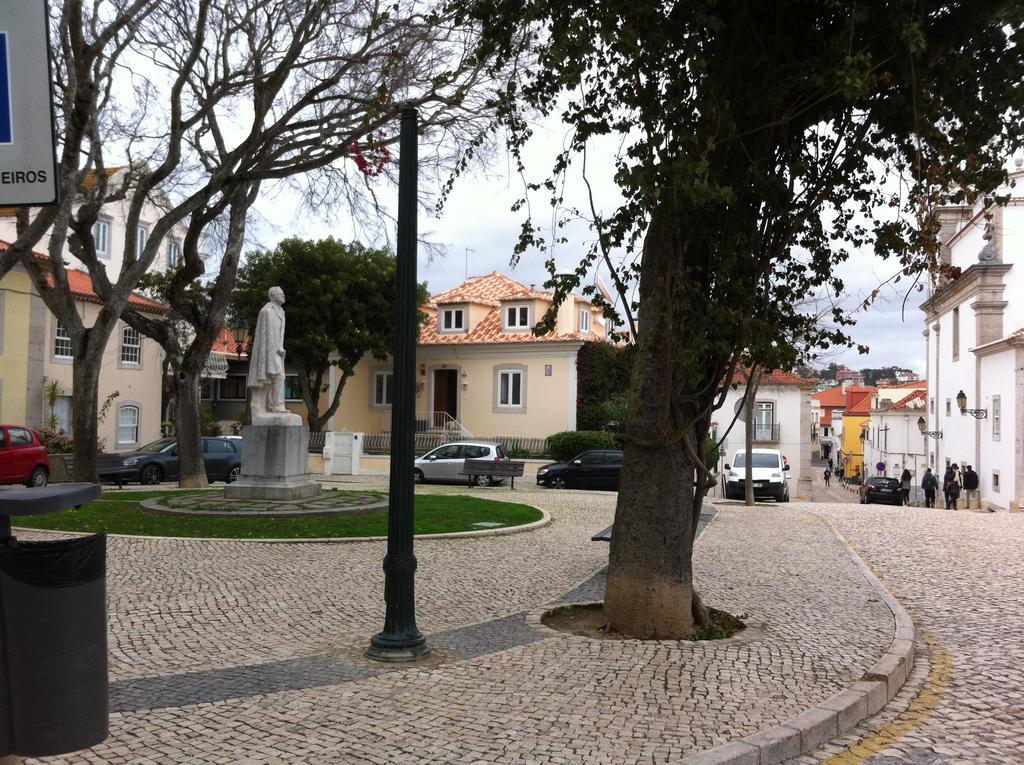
(151, 474)
(418, 476)
(482, 480)
(558, 483)
(38, 478)
(233, 474)
(785, 497)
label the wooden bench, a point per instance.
(108, 462)
(493, 469)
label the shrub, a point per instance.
(56, 443)
(711, 454)
(567, 444)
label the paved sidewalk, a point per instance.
(959, 574)
(247, 652)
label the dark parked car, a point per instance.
(594, 469)
(881, 490)
(23, 458)
(158, 462)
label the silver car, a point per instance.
(445, 462)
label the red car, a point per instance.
(23, 458)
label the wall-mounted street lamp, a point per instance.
(921, 425)
(239, 330)
(961, 401)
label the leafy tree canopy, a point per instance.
(339, 306)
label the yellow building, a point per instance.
(856, 420)
(35, 351)
(480, 368)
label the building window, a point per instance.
(510, 388)
(517, 317)
(141, 237)
(764, 421)
(101, 238)
(948, 409)
(931, 405)
(956, 334)
(173, 253)
(453, 320)
(128, 425)
(383, 388)
(997, 417)
(131, 347)
(292, 391)
(995, 480)
(585, 320)
(206, 389)
(61, 342)
(232, 388)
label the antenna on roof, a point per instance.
(468, 250)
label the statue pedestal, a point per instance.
(274, 464)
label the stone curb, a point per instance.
(838, 714)
(318, 540)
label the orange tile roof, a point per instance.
(491, 290)
(80, 285)
(858, 399)
(908, 384)
(774, 377)
(834, 396)
(826, 419)
(904, 404)
(226, 344)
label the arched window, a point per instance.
(131, 347)
(128, 425)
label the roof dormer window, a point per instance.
(517, 316)
(585, 320)
(453, 320)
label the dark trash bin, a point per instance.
(53, 633)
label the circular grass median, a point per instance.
(120, 512)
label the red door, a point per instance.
(445, 395)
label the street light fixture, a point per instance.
(921, 425)
(239, 331)
(961, 401)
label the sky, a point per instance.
(477, 232)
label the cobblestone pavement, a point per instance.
(246, 652)
(959, 574)
(332, 499)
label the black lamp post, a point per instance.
(401, 640)
(961, 401)
(922, 425)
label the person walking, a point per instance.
(905, 480)
(971, 484)
(951, 487)
(929, 484)
(828, 477)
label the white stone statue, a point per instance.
(266, 365)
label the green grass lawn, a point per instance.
(119, 512)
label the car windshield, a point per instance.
(157, 446)
(759, 461)
(891, 483)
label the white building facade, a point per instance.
(893, 439)
(975, 345)
(782, 420)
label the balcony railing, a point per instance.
(766, 433)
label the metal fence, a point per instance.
(515, 446)
(316, 441)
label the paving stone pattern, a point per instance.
(330, 501)
(245, 652)
(959, 573)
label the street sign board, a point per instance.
(28, 165)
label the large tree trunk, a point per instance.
(85, 375)
(192, 471)
(650, 577)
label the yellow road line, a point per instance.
(928, 698)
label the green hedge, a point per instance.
(567, 444)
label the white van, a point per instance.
(769, 473)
